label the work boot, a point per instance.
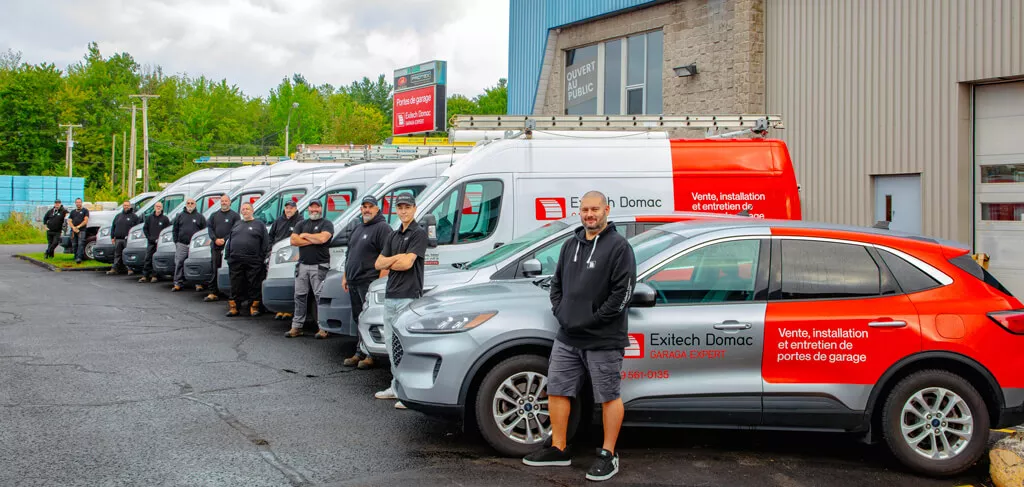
(176, 288)
(352, 361)
(210, 298)
(254, 309)
(277, 316)
(111, 272)
(153, 279)
(294, 332)
(143, 279)
(232, 309)
(366, 363)
(199, 288)
(321, 334)
(286, 316)
(130, 273)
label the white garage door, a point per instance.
(999, 178)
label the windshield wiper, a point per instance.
(543, 283)
(459, 265)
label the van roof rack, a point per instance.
(882, 224)
(382, 152)
(525, 124)
(244, 160)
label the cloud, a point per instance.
(256, 43)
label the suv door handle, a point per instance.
(888, 324)
(732, 325)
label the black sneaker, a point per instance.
(549, 456)
(605, 467)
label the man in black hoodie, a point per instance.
(247, 247)
(186, 224)
(119, 229)
(54, 221)
(219, 226)
(590, 290)
(365, 243)
(151, 228)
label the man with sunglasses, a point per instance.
(186, 224)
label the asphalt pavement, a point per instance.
(107, 381)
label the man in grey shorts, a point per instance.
(590, 291)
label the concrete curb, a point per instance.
(54, 268)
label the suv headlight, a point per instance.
(201, 241)
(377, 297)
(286, 254)
(136, 235)
(452, 323)
(167, 237)
(105, 232)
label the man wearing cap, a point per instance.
(54, 221)
(365, 243)
(312, 236)
(186, 224)
(402, 257)
(119, 230)
(282, 229)
(78, 220)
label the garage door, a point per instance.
(999, 178)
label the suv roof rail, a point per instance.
(884, 225)
(526, 124)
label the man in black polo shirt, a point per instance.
(364, 246)
(54, 221)
(246, 252)
(312, 237)
(402, 257)
(219, 226)
(119, 229)
(151, 228)
(79, 219)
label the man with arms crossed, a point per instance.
(590, 290)
(219, 226)
(402, 257)
(119, 229)
(282, 229)
(365, 244)
(186, 224)
(79, 220)
(312, 237)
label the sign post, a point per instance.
(419, 104)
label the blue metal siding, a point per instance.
(529, 22)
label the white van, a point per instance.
(199, 264)
(300, 187)
(505, 188)
(415, 177)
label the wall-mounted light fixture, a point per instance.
(688, 70)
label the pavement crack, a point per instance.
(262, 445)
(31, 363)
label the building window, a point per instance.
(1002, 173)
(1004, 212)
(616, 77)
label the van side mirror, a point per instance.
(531, 268)
(644, 296)
(430, 223)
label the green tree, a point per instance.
(377, 93)
(494, 101)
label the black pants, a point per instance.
(246, 280)
(218, 257)
(119, 244)
(147, 268)
(357, 294)
(53, 240)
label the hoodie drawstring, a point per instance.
(592, 249)
(577, 251)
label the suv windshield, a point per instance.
(651, 243)
(501, 253)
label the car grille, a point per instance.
(375, 334)
(396, 350)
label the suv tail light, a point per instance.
(1012, 321)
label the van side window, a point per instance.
(469, 213)
(719, 273)
(828, 270)
(909, 277)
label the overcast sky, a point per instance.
(255, 43)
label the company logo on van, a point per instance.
(550, 208)
(636, 346)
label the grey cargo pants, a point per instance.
(308, 279)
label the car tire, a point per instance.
(89, 246)
(516, 370)
(934, 394)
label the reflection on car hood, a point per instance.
(490, 295)
(443, 277)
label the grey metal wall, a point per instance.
(882, 87)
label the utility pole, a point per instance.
(145, 140)
(287, 126)
(69, 143)
(113, 154)
(131, 164)
(124, 157)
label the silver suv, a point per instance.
(749, 324)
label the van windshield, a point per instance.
(526, 241)
(651, 243)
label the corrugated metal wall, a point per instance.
(873, 87)
(529, 22)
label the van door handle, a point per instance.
(888, 324)
(732, 325)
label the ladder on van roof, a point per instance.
(756, 123)
(382, 152)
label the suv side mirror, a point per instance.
(531, 268)
(644, 296)
(430, 222)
